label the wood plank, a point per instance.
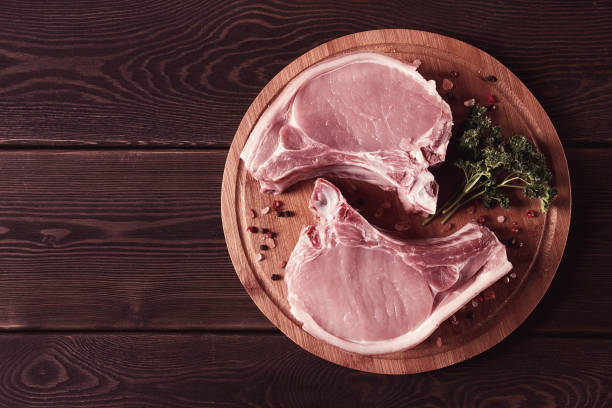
(193, 370)
(133, 240)
(178, 73)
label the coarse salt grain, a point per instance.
(270, 242)
(260, 257)
(447, 84)
(501, 219)
(417, 62)
(474, 303)
(507, 279)
(265, 210)
(469, 102)
(401, 226)
(454, 320)
(513, 275)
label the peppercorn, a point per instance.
(492, 78)
(280, 213)
(276, 276)
(288, 214)
(453, 74)
(271, 234)
(253, 229)
(263, 247)
(265, 230)
(470, 315)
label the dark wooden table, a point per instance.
(115, 285)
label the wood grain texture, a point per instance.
(544, 237)
(179, 73)
(168, 371)
(133, 240)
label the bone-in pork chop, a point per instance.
(364, 116)
(360, 289)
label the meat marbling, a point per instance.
(358, 288)
(363, 116)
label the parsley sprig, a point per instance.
(491, 164)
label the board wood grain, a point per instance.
(183, 72)
(207, 370)
(544, 237)
(133, 241)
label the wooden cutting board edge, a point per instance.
(550, 249)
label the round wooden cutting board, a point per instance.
(538, 244)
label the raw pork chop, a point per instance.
(364, 116)
(362, 290)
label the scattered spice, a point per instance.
(512, 241)
(253, 229)
(401, 226)
(531, 214)
(469, 102)
(454, 320)
(283, 264)
(453, 74)
(252, 213)
(514, 229)
(260, 257)
(514, 223)
(265, 230)
(474, 303)
(447, 84)
(507, 279)
(271, 234)
(439, 342)
(277, 205)
(265, 210)
(501, 219)
(489, 295)
(270, 243)
(521, 244)
(513, 275)
(480, 299)
(276, 277)
(491, 78)
(417, 63)
(492, 107)
(288, 214)
(263, 247)
(482, 219)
